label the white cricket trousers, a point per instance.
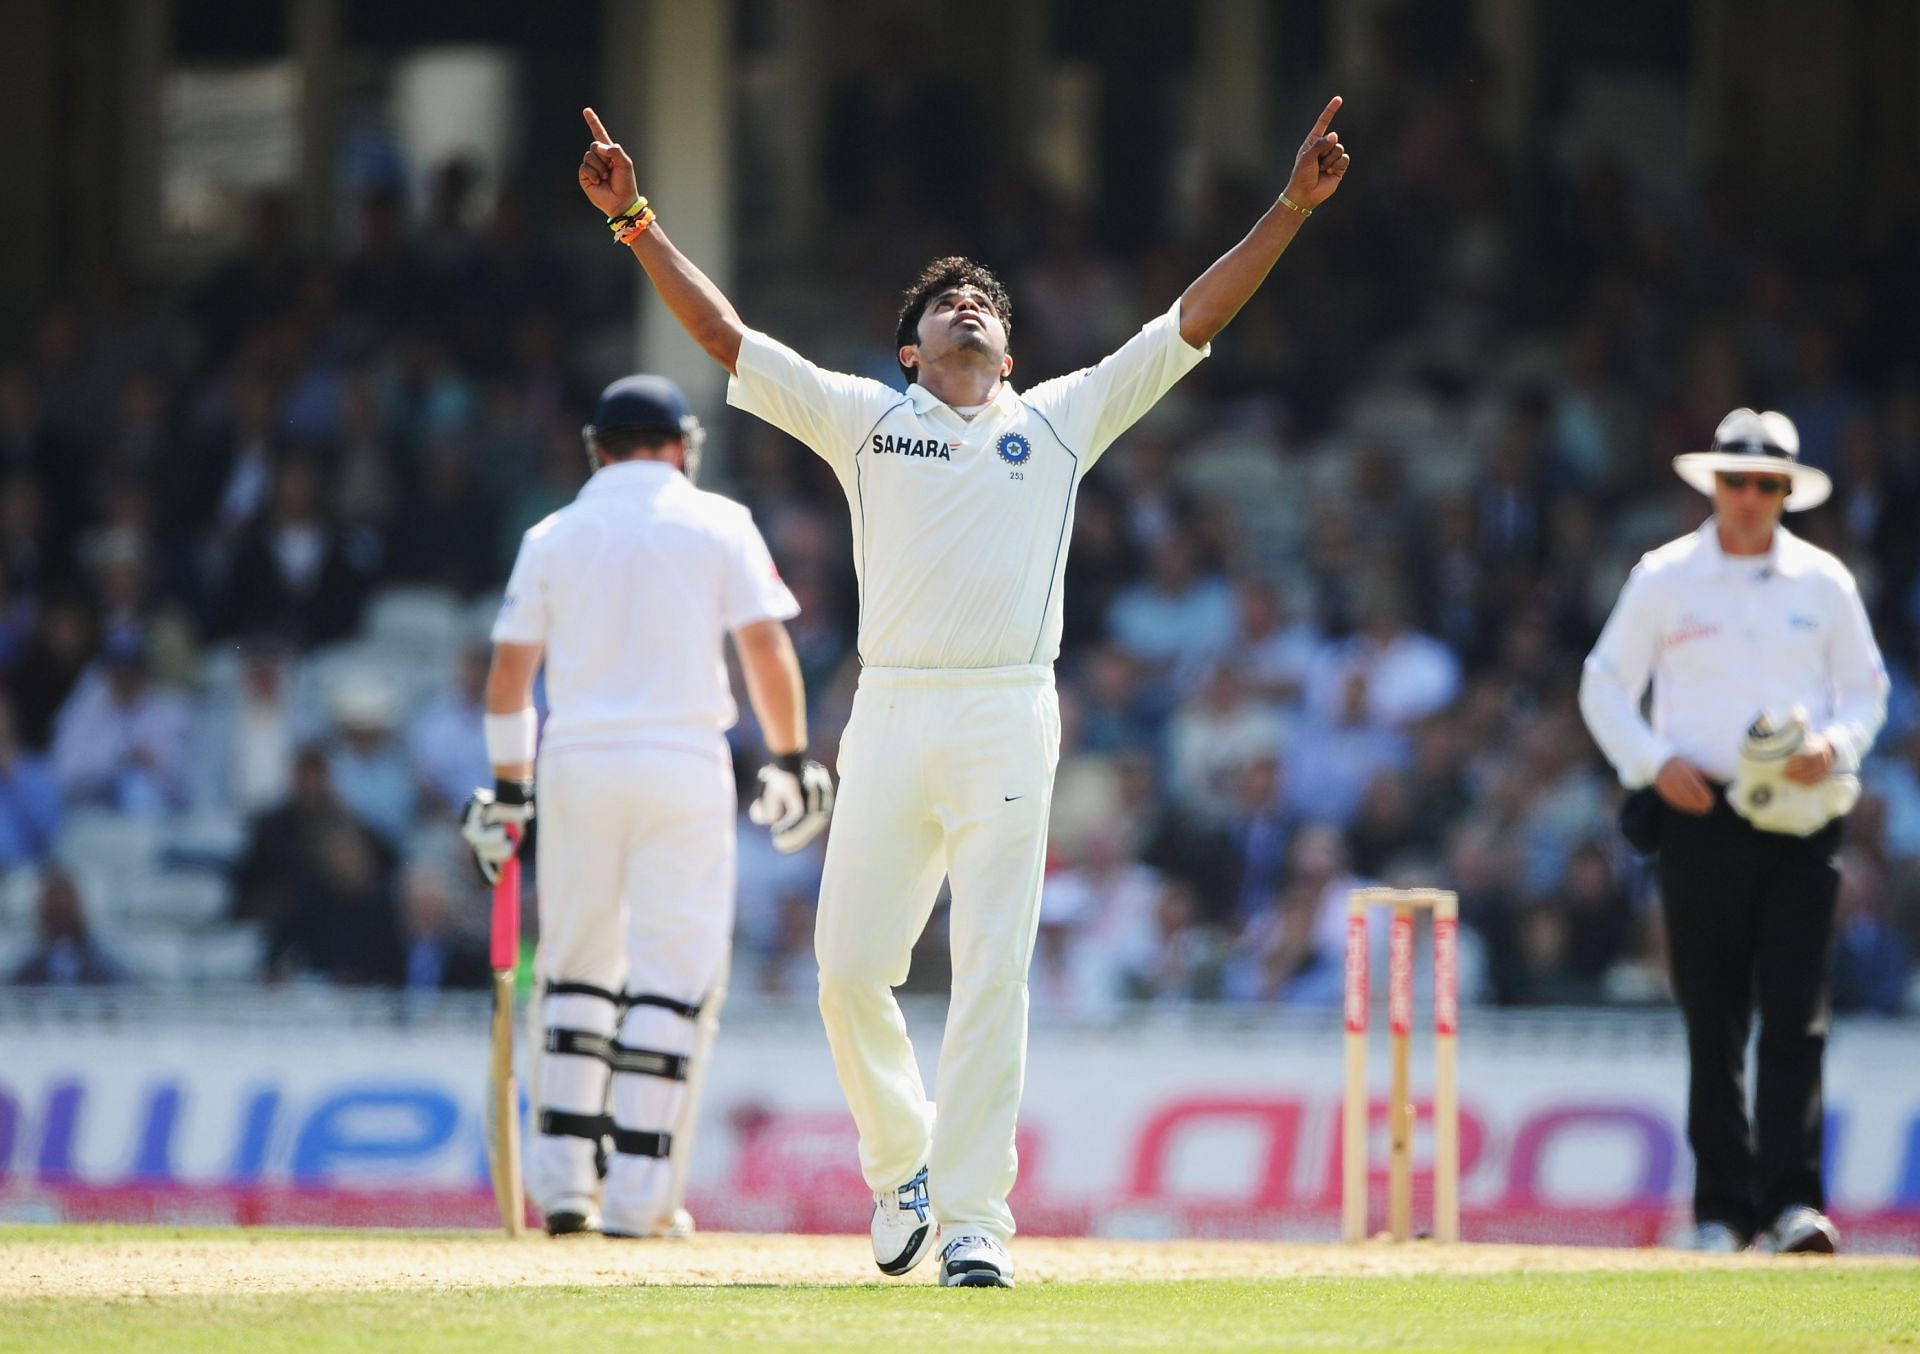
(636, 873)
(943, 772)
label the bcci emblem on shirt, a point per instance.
(1014, 449)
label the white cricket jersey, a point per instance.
(631, 588)
(1724, 638)
(960, 528)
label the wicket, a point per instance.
(1357, 1116)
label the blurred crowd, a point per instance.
(1326, 607)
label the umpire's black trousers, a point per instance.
(1750, 922)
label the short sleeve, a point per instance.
(524, 616)
(829, 411)
(755, 591)
(1094, 406)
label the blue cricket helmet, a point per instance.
(647, 404)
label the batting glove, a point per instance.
(795, 801)
(495, 823)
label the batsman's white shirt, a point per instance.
(960, 534)
(631, 589)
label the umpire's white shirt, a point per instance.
(1723, 638)
(960, 528)
(631, 588)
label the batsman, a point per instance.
(626, 596)
(961, 491)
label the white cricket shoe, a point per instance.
(975, 1262)
(676, 1226)
(903, 1228)
(1800, 1230)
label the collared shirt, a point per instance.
(1724, 638)
(632, 588)
(960, 527)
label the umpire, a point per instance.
(1768, 691)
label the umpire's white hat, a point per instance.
(1757, 444)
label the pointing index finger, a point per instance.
(599, 129)
(1320, 127)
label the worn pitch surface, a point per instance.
(162, 1262)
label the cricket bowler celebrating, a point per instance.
(961, 492)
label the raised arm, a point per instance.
(607, 178)
(1217, 294)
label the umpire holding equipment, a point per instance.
(1768, 691)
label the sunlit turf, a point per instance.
(1799, 1308)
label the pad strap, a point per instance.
(582, 990)
(648, 1062)
(680, 1008)
(580, 1044)
(632, 1143)
(564, 1124)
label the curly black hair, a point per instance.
(944, 275)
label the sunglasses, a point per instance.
(1766, 484)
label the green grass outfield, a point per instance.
(1795, 1306)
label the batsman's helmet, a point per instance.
(646, 404)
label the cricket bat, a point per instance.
(503, 1092)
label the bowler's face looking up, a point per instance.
(959, 324)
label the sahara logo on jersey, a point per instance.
(1014, 449)
(912, 446)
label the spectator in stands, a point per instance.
(284, 845)
(551, 485)
(57, 652)
(1210, 738)
(231, 483)
(291, 568)
(120, 566)
(1177, 614)
(29, 451)
(1521, 474)
(1273, 646)
(66, 954)
(1599, 916)
(19, 614)
(1870, 961)
(445, 532)
(1113, 714)
(1540, 941)
(1318, 867)
(440, 952)
(367, 468)
(1100, 562)
(1099, 916)
(444, 744)
(1383, 831)
(30, 808)
(120, 742)
(368, 762)
(1278, 948)
(248, 731)
(787, 968)
(1174, 957)
(1408, 675)
(1337, 753)
(343, 924)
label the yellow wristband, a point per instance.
(618, 223)
(1293, 206)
